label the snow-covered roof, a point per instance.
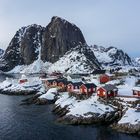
(136, 88)
(109, 87)
(23, 76)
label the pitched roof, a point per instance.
(75, 76)
(77, 83)
(89, 85)
(110, 87)
(136, 88)
(98, 72)
(62, 80)
(52, 80)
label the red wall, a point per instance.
(83, 88)
(104, 78)
(100, 94)
(136, 94)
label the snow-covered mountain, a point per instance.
(137, 60)
(78, 60)
(111, 56)
(47, 43)
(60, 46)
(1, 52)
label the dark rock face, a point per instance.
(120, 56)
(59, 37)
(34, 41)
(23, 48)
(1, 52)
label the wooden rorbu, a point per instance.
(104, 78)
(23, 79)
(73, 86)
(136, 91)
(107, 91)
(88, 88)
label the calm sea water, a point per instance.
(38, 123)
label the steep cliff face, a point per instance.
(1, 53)
(23, 48)
(35, 42)
(59, 37)
(111, 56)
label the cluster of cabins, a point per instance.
(74, 84)
(77, 84)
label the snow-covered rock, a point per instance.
(81, 108)
(111, 56)
(38, 66)
(50, 94)
(129, 123)
(78, 60)
(12, 86)
(131, 117)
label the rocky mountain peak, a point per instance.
(59, 37)
(23, 48)
(111, 56)
(36, 42)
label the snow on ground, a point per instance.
(127, 99)
(32, 81)
(73, 62)
(131, 117)
(50, 94)
(14, 85)
(80, 108)
(5, 84)
(36, 67)
(126, 89)
(113, 82)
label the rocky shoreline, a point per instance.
(110, 118)
(18, 92)
(93, 119)
(127, 128)
(38, 101)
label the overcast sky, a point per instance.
(103, 22)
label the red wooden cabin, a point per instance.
(23, 79)
(104, 78)
(88, 88)
(73, 86)
(136, 91)
(107, 91)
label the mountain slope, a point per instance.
(23, 48)
(48, 44)
(58, 38)
(78, 60)
(111, 56)
(1, 53)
